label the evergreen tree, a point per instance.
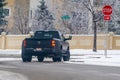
(3, 22)
(43, 19)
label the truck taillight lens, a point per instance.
(53, 43)
(24, 43)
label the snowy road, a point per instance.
(48, 70)
(80, 67)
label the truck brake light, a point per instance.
(24, 43)
(53, 43)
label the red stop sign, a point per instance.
(107, 10)
(107, 17)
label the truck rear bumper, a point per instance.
(48, 52)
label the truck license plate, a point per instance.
(38, 49)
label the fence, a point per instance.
(77, 42)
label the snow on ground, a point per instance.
(5, 75)
(83, 51)
(9, 59)
(81, 56)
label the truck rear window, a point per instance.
(47, 34)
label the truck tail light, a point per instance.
(53, 43)
(24, 43)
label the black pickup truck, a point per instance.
(46, 44)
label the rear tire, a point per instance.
(25, 56)
(57, 59)
(67, 58)
(54, 59)
(40, 58)
(29, 59)
(24, 59)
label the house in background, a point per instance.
(13, 7)
(9, 9)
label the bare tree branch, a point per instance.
(21, 20)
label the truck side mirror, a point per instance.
(31, 34)
(68, 38)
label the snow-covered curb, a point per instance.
(9, 59)
(10, 51)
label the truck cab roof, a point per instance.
(47, 34)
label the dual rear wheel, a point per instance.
(41, 58)
(27, 59)
(57, 59)
(65, 58)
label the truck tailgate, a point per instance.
(38, 43)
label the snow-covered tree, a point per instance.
(96, 16)
(78, 22)
(116, 18)
(3, 22)
(43, 19)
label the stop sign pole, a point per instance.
(107, 11)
